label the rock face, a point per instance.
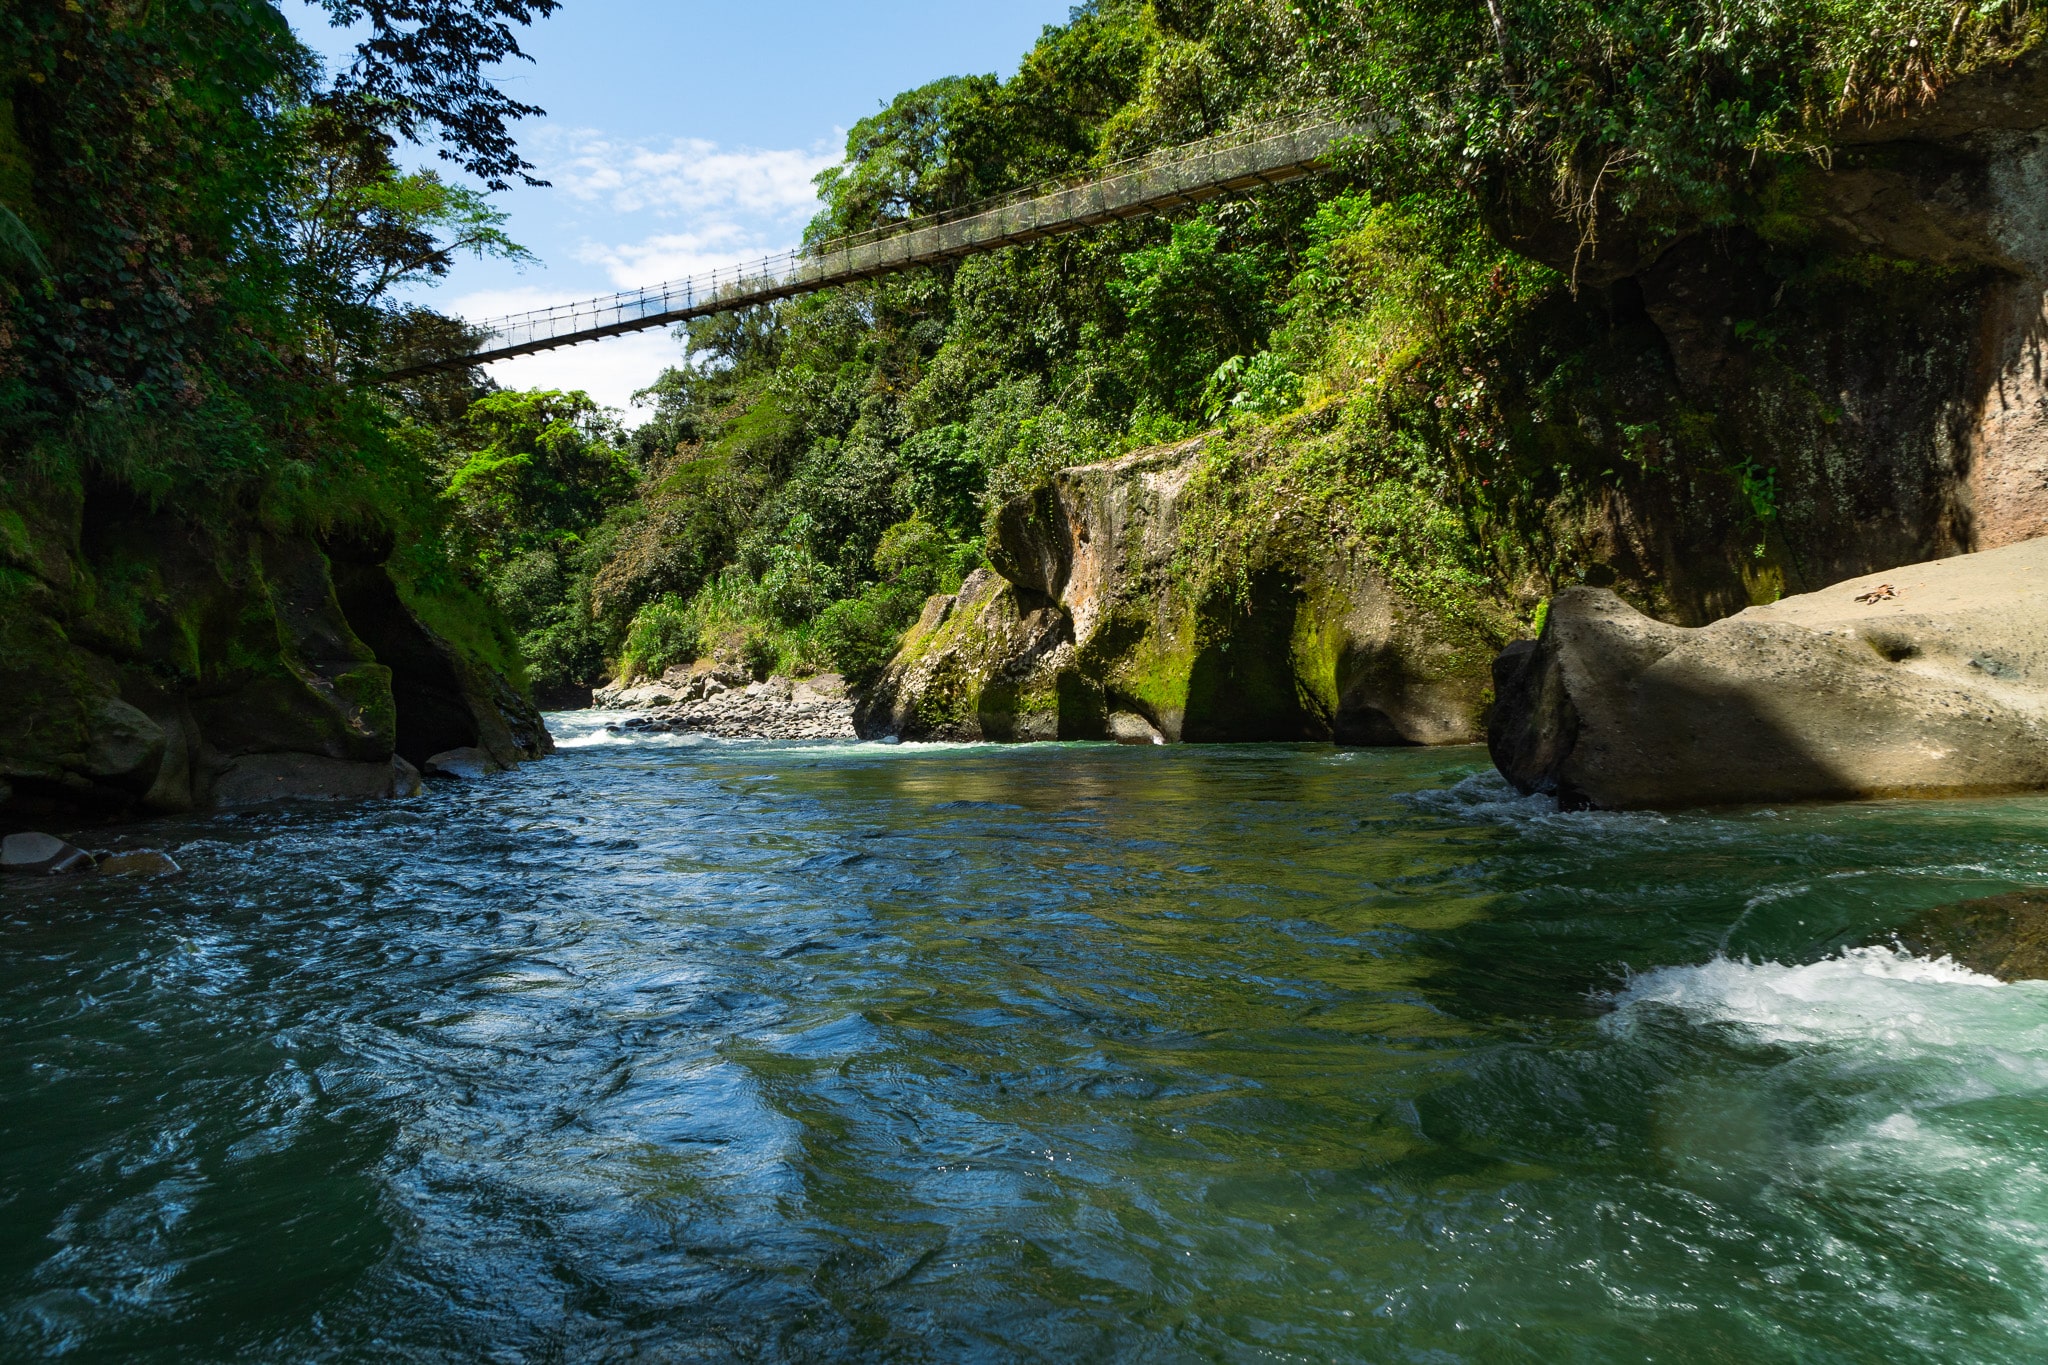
(1861, 368)
(1083, 630)
(148, 664)
(2002, 936)
(1927, 680)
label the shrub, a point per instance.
(761, 651)
(1262, 386)
(795, 586)
(663, 633)
(857, 636)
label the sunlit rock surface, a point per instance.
(1926, 680)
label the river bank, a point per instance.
(731, 705)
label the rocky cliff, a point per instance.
(1857, 360)
(149, 663)
(1844, 377)
(1094, 625)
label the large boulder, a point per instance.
(261, 778)
(1088, 627)
(34, 853)
(1926, 680)
(984, 663)
(151, 662)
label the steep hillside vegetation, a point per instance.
(1631, 294)
(1707, 302)
(225, 567)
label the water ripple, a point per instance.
(694, 1049)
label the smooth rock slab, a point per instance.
(140, 862)
(1926, 680)
(312, 777)
(42, 854)
(469, 764)
(1128, 727)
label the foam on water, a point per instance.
(1874, 997)
(1872, 1087)
(1488, 798)
(590, 730)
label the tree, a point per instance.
(358, 229)
(423, 66)
(543, 468)
(156, 157)
(1192, 305)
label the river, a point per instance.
(687, 1050)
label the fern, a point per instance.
(15, 236)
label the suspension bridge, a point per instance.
(1265, 155)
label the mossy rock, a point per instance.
(143, 655)
(1096, 619)
(982, 663)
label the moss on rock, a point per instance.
(143, 656)
(1125, 606)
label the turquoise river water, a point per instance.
(680, 1050)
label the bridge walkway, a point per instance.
(1149, 184)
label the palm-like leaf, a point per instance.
(15, 236)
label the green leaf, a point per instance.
(15, 236)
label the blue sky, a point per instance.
(683, 135)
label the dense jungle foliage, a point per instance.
(201, 238)
(816, 469)
(201, 235)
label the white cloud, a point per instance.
(690, 178)
(719, 207)
(610, 371)
(480, 304)
(676, 255)
(648, 214)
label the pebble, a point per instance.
(770, 710)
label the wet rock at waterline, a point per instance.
(312, 777)
(2003, 936)
(139, 862)
(1926, 680)
(42, 855)
(470, 764)
(1127, 727)
(715, 702)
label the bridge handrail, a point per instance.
(1115, 170)
(675, 295)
